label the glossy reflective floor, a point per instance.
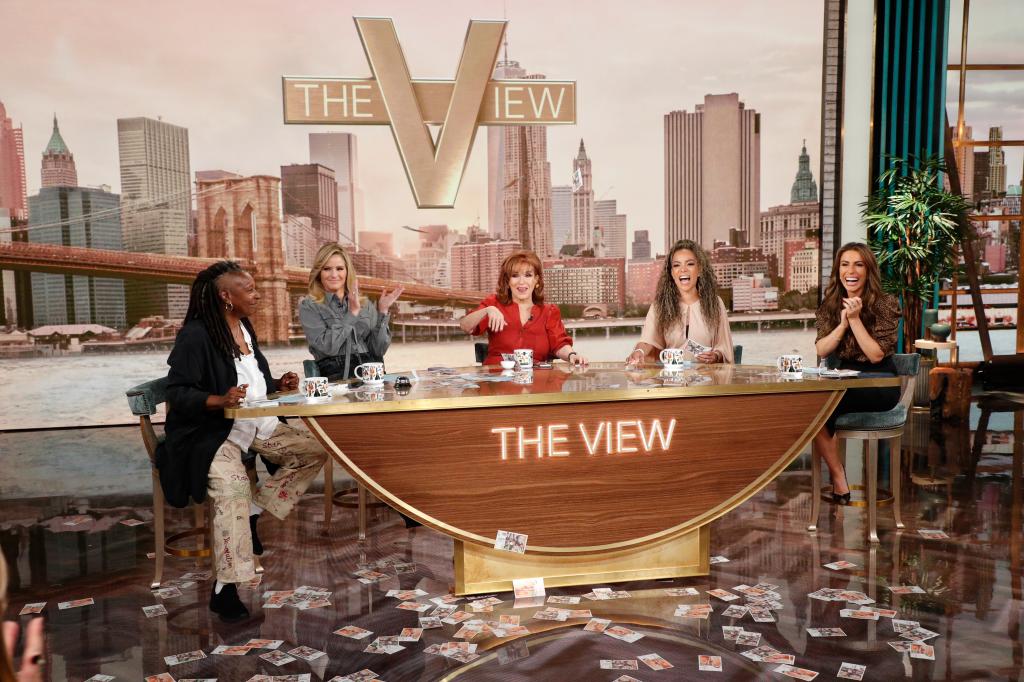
(965, 480)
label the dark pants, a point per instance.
(866, 399)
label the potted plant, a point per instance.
(913, 231)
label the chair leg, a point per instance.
(815, 490)
(328, 492)
(895, 474)
(361, 512)
(158, 531)
(871, 460)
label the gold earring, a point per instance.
(229, 306)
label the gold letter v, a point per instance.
(434, 173)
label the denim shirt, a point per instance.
(333, 332)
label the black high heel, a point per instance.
(843, 499)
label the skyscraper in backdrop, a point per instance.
(339, 152)
(582, 201)
(712, 171)
(15, 287)
(519, 177)
(309, 190)
(156, 208)
(58, 168)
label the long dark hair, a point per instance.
(667, 297)
(835, 292)
(205, 305)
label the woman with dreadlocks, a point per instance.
(686, 308)
(216, 363)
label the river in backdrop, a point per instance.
(87, 390)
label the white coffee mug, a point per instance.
(313, 387)
(672, 357)
(371, 372)
(791, 366)
(524, 357)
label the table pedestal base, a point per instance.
(482, 569)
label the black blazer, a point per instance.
(198, 369)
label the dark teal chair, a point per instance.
(872, 427)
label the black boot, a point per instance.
(227, 605)
(257, 546)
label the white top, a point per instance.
(244, 431)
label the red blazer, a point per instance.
(543, 332)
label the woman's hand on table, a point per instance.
(288, 382)
(577, 360)
(711, 356)
(495, 319)
(636, 358)
(233, 398)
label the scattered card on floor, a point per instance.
(851, 671)
(264, 643)
(410, 635)
(414, 606)
(34, 607)
(528, 587)
(735, 611)
(162, 677)
(625, 634)
(922, 650)
(510, 542)
(101, 678)
(597, 625)
(709, 663)
(306, 653)
(277, 658)
(625, 678)
(225, 650)
(682, 592)
(154, 610)
(76, 603)
(186, 657)
(655, 662)
(561, 599)
(619, 664)
(748, 638)
(840, 565)
(928, 534)
(723, 595)
(796, 673)
(363, 675)
(427, 623)
(354, 632)
(718, 560)
(826, 632)
(167, 592)
(131, 522)
(905, 589)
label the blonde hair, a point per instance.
(326, 252)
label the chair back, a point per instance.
(309, 368)
(143, 401)
(737, 354)
(907, 366)
(480, 348)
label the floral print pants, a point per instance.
(300, 457)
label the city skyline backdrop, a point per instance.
(56, 67)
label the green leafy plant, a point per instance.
(913, 231)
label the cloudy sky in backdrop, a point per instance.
(215, 68)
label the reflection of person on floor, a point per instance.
(32, 656)
(857, 322)
(215, 364)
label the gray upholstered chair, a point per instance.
(873, 427)
(342, 498)
(143, 400)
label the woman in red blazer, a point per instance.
(517, 317)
